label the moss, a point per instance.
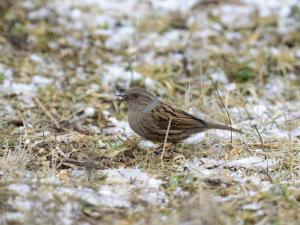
(240, 72)
(185, 182)
(2, 77)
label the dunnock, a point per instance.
(150, 118)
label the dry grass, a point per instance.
(51, 144)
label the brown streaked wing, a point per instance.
(180, 120)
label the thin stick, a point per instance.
(224, 107)
(13, 120)
(47, 113)
(166, 139)
(260, 137)
(187, 97)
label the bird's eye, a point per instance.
(135, 95)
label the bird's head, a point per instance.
(138, 98)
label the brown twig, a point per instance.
(260, 137)
(13, 120)
(47, 113)
(228, 115)
(165, 141)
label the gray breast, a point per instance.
(135, 120)
(141, 122)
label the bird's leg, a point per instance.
(167, 146)
(165, 149)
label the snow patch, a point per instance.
(269, 7)
(119, 127)
(234, 16)
(195, 139)
(147, 144)
(252, 163)
(252, 206)
(219, 76)
(170, 38)
(118, 75)
(120, 38)
(17, 88)
(173, 5)
(206, 167)
(89, 112)
(20, 189)
(121, 187)
(40, 81)
(135, 176)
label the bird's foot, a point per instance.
(166, 149)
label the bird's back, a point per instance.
(153, 124)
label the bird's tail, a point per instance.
(222, 127)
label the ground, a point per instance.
(68, 155)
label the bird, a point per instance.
(155, 120)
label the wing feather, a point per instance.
(180, 120)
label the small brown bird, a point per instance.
(150, 118)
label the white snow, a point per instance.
(133, 181)
(226, 134)
(234, 16)
(68, 213)
(20, 188)
(230, 87)
(297, 53)
(36, 58)
(15, 216)
(275, 87)
(40, 81)
(17, 88)
(268, 7)
(39, 14)
(21, 203)
(205, 33)
(219, 76)
(252, 206)
(150, 83)
(134, 176)
(115, 196)
(120, 38)
(120, 188)
(252, 163)
(245, 194)
(89, 112)
(80, 193)
(144, 144)
(195, 139)
(295, 132)
(170, 38)
(10, 87)
(206, 167)
(173, 5)
(119, 127)
(117, 75)
(233, 36)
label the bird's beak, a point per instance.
(122, 97)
